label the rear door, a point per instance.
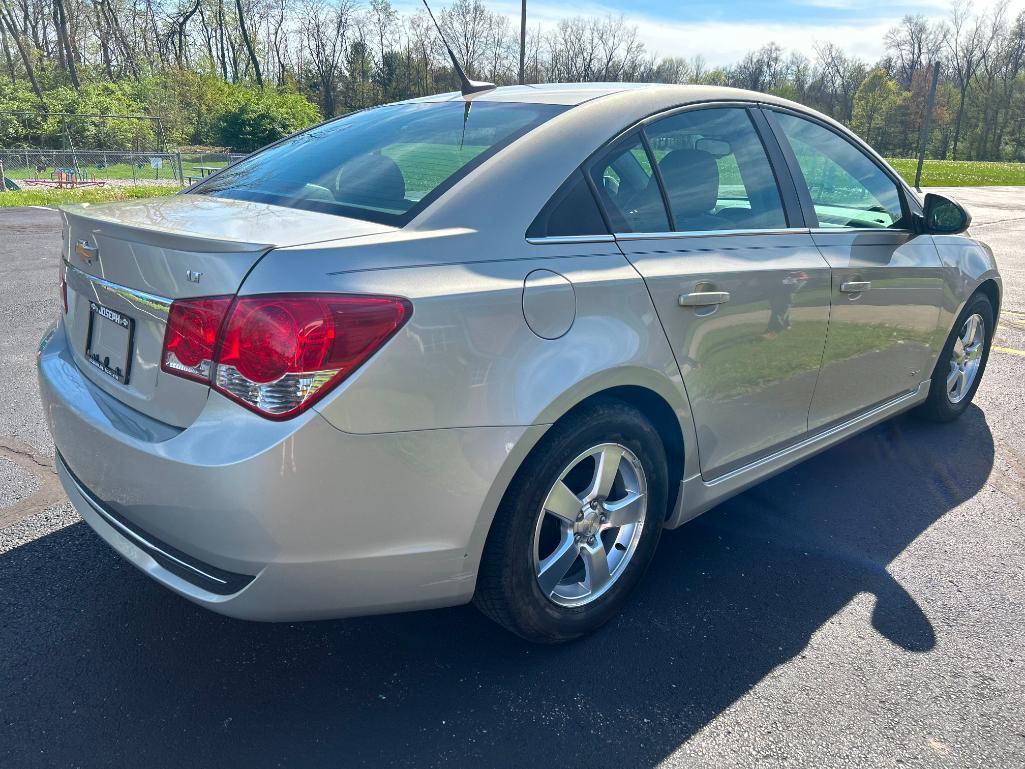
(738, 284)
(887, 283)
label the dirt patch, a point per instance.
(43, 489)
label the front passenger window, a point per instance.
(847, 188)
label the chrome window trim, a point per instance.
(710, 234)
(843, 230)
(570, 239)
(141, 299)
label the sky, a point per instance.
(722, 31)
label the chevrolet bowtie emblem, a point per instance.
(87, 253)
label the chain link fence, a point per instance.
(198, 165)
(37, 168)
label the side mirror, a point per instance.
(944, 216)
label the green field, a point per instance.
(51, 197)
(961, 173)
(936, 173)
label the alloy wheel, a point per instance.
(589, 526)
(966, 358)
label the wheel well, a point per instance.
(661, 416)
(992, 292)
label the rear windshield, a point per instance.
(384, 164)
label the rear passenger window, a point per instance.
(715, 170)
(628, 189)
(571, 211)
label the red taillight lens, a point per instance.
(193, 326)
(277, 354)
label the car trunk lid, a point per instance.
(126, 262)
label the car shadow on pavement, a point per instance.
(102, 667)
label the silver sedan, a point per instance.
(486, 348)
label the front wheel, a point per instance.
(962, 362)
(577, 527)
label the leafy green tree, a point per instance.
(254, 117)
(875, 101)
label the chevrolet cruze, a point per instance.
(485, 348)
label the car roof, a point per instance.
(572, 94)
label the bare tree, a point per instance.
(965, 48)
(839, 77)
(914, 43)
(8, 20)
(244, 30)
(326, 31)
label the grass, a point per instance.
(425, 166)
(51, 197)
(961, 173)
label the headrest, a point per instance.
(371, 180)
(692, 181)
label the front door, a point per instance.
(743, 297)
(887, 285)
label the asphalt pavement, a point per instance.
(865, 609)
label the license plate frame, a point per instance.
(119, 333)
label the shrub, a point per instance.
(254, 117)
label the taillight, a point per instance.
(277, 354)
(193, 326)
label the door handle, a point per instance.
(855, 286)
(704, 298)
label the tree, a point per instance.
(8, 20)
(875, 102)
(965, 48)
(838, 80)
(914, 43)
(187, 59)
(256, 117)
(244, 30)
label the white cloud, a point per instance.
(722, 42)
(726, 42)
(718, 42)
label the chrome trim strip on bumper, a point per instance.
(227, 582)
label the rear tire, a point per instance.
(542, 574)
(962, 362)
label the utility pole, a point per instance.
(923, 139)
(523, 38)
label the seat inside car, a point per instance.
(373, 180)
(691, 179)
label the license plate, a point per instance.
(109, 343)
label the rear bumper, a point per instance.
(291, 520)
